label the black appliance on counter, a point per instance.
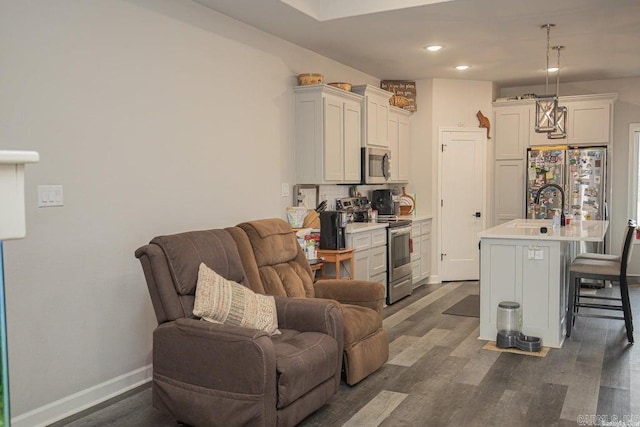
(382, 201)
(332, 225)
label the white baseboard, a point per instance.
(77, 402)
(433, 279)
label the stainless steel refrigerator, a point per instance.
(580, 171)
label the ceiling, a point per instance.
(501, 40)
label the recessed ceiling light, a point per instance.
(433, 48)
(552, 69)
(462, 67)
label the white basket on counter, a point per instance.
(296, 215)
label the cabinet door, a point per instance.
(425, 259)
(378, 260)
(379, 237)
(508, 199)
(416, 266)
(362, 264)
(404, 142)
(309, 130)
(359, 241)
(377, 121)
(588, 122)
(511, 126)
(393, 146)
(352, 141)
(333, 139)
(417, 243)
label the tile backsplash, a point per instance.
(332, 192)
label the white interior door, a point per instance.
(462, 191)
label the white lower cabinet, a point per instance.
(362, 260)
(421, 254)
(370, 254)
(510, 273)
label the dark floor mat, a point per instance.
(469, 306)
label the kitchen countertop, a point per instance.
(416, 217)
(358, 227)
(529, 229)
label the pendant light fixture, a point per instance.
(546, 105)
(561, 112)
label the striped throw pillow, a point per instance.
(220, 300)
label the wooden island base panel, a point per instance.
(522, 264)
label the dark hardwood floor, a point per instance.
(439, 375)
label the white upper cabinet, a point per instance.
(588, 121)
(328, 135)
(376, 115)
(511, 131)
(399, 144)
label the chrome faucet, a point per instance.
(544, 187)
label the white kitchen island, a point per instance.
(520, 263)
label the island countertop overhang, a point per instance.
(529, 229)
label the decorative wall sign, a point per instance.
(402, 88)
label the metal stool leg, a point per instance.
(626, 308)
(571, 302)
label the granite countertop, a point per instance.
(529, 229)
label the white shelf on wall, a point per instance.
(12, 211)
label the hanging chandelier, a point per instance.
(546, 105)
(561, 112)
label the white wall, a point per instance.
(447, 103)
(626, 111)
(156, 117)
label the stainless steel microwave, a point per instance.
(376, 165)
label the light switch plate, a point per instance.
(284, 192)
(50, 196)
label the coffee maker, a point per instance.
(332, 225)
(385, 203)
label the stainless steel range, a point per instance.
(399, 276)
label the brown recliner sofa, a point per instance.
(208, 374)
(275, 265)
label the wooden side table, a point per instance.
(315, 267)
(336, 256)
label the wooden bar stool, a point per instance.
(602, 269)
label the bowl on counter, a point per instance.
(310, 79)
